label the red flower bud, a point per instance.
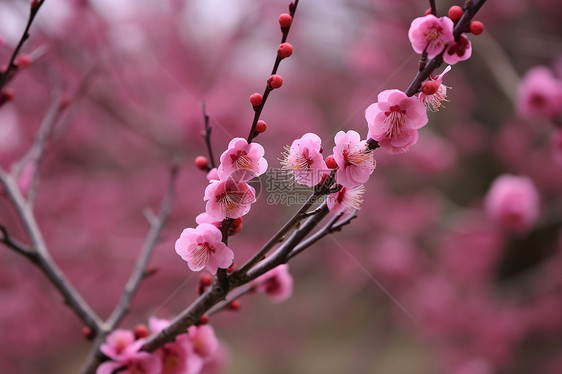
(285, 50)
(331, 162)
(141, 331)
(275, 81)
(455, 13)
(476, 27)
(201, 162)
(285, 20)
(261, 126)
(256, 99)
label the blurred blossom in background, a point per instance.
(437, 275)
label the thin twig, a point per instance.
(258, 109)
(331, 226)
(15, 245)
(139, 270)
(460, 28)
(225, 304)
(9, 73)
(44, 261)
(297, 217)
(433, 7)
(207, 136)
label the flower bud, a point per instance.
(285, 50)
(261, 126)
(331, 162)
(455, 13)
(285, 20)
(476, 27)
(256, 99)
(201, 162)
(275, 81)
(141, 331)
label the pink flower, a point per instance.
(539, 94)
(304, 160)
(203, 339)
(242, 161)
(202, 248)
(395, 119)
(177, 357)
(228, 199)
(213, 174)
(434, 101)
(206, 218)
(276, 283)
(121, 344)
(355, 161)
(459, 50)
(513, 201)
(431, 34)
(346, 199)
(140, 363)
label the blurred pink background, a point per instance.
(468, 295)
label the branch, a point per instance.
(433, 7)
(225, 304)
(139, 271)
(44, 261)
(207, 135)
(297, 217)
(10, 71)
(258, 109)
(15, 245)
(470, 11)
(329, 228)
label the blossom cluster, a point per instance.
(186, 355)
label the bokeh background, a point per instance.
(422, 282)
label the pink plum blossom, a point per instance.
(213, 174)
(459, 50)
(539, 94)
(140, 363)
(202, 248)
(395, 119)
(276, 283)
(203, 340)
(242, 161)
(431, 34)
(513, 201)
(346, 199)
(355, 161)
(206, 218)
(121, 344)
(228, 199)
(177, 357)
(304, 160)
(435, 101)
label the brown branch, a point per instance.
(139, 271)
(43, 258)
(16, 245)
(433, 7)
(207, 135)
(10, 71)
(330, 227)
(258, 109)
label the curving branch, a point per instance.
(40, 256)
(12, 68)
(139, 271)
(258, 109)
